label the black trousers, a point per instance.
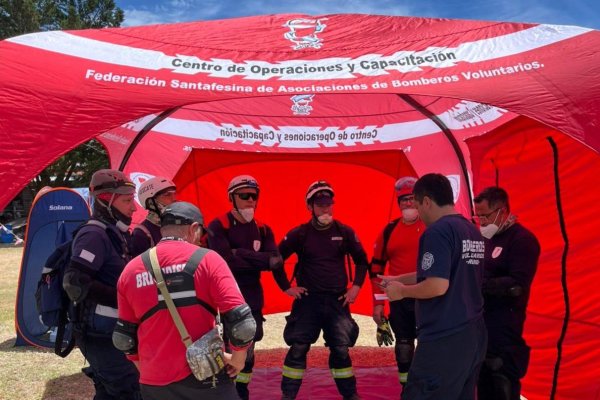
(191, 388)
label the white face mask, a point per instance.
(247, 214)
(325, 219)
(410, 214)
(489, 231)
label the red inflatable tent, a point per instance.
(358, 100)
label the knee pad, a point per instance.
(299, 350)
(405, 348)
(339, 352)
(502, 386)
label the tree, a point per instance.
(74, 169)
(18, 17)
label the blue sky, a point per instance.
(572, 12)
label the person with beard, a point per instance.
(397, 246)
(248, 246)
(100, 253)
(511, 258)
(154, 195)
(321, 296)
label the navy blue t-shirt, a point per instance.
(451, 248)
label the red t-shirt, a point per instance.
(400, 253)
(161, 353)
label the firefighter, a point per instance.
(249, 248)
(397, 246)
(321, 296)
(154, 195)
(100, 252)
(146, 331)
(511, 258)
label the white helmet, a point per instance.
(152, 188)
(240, 182)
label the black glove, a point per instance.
(384, 333)
(275, 262)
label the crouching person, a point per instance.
(200, 284)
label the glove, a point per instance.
(275, 262)
(384, 333)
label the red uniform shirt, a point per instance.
(400, 253)
(161, 353)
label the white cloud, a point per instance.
(134, 17)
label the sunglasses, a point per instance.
(247, 196)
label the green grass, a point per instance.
(28, 373)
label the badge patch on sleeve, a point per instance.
(426, 261)
(87, 256)
(497, 251)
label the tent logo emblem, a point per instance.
(301, 104)
(303, 32)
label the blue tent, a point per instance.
(54, 215)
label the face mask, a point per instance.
(325, 219)
(489, 231)
(247, 214)
(410, 214)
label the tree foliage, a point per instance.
(18, 17)
(74, 169)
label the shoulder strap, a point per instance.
(224, 220)
(162, 286)
(262, 229)
(387, 232)
(117, 239)
(144, 229)
(345, 246)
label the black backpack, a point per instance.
(55, 308)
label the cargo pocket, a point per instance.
(289, 335)
(353, 334)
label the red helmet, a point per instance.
(404, 186)
(316, 187)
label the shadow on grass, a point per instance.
(70, 387)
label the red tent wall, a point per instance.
(363, 182)
(562, 314)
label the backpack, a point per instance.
(387, 232)
(55, 308)
(303, 231)
(224, 220)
